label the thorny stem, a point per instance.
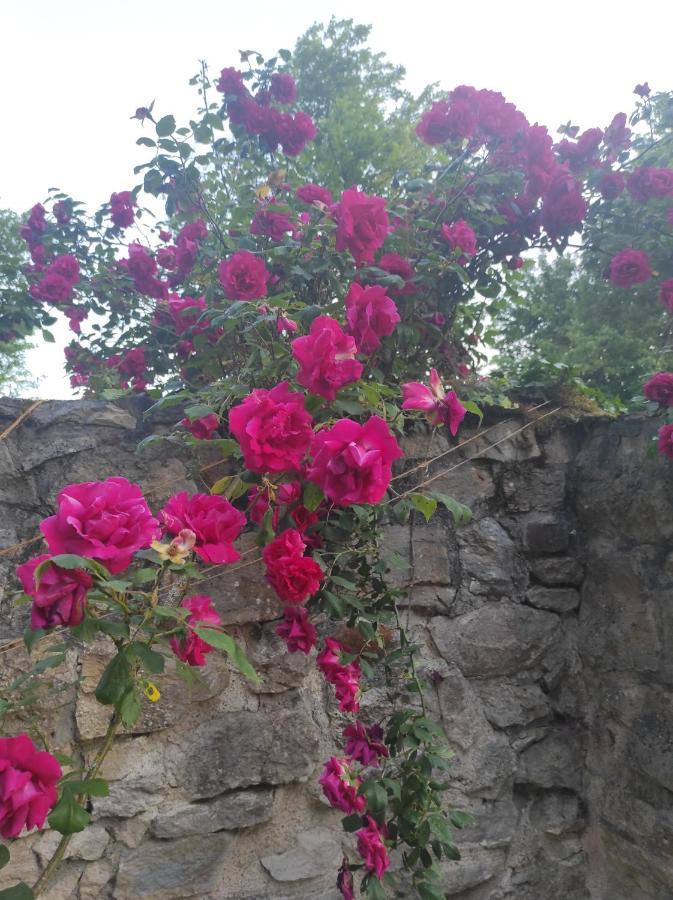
(59, 853)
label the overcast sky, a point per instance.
(73, 71)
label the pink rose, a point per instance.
(66, 266)
(121, 209)
(617, 135)
(104, 520)
(659, 389)
(345, 882)
(666, 294)
(372, 849)
(340, 786)
(298, 633)
(666, 440)
(326, 358)
(295, 133)
(60, 598)
(435, 402)
(214, 521)
(459, 236)
(313, 193)
(365, 744)
(28, 779)
(371, 315)
(563, 206)
(273, 429)
(203, 428)
(435, 126)
(52, 288)
(352, 463)
(344, 677)
(629, 267)
(190, 648)
(243, 276)
(362, 225)
(270, 224)
(293, 576)
(283, 88)
(648, 183)
(231, 82)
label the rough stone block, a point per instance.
(546, 536)
(557, 570)
(315, 853)
(558, 600)
(172, 870)
(496, 639)
(273, 746)
(231, 811)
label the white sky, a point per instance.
(73, 71)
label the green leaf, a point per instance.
(461, 513)
(197, 410)
(152, 661)
(115, 680)
(351, 823)
(376, 796)
(31, 636)
(146, 142)
(71, 561)
(460, 819)
(114, 629)
(20, 891)
(222, 641)
(129, 708)
(4, 856)
(92, 787)
(165, 126)
(425, 505)
(68, 817)
(48, 336)
(312, 496)
(166, 612)
(375, 890)
(472, 407)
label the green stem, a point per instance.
(59, 852)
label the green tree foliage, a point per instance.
(360, 108)
(564, 321)
(14, 323)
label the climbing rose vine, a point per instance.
(296, 334)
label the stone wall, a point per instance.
(546, 623)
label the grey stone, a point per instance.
(238, 810)
(508, 703)
(248, 748)
(506, 442)
(556, 571)
(478, 866)
(557, 761)
(542, 488)
(496, 639)
(315, 853)
(431, 558)
(171, 870)
(558, 600)
(487, 554)
(484, 762)
(546, 536)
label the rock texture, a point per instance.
(546, 623)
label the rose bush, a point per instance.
(294, 331)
